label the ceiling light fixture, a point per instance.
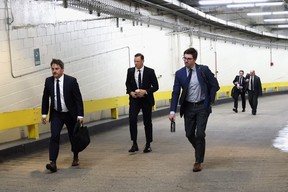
(268, 13)
(259, 14)
(254, 5)
(276, 20)
(240, 5)
(282, 26)
(215, 2)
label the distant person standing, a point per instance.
(66, 108)
(239, 89)
(199, 87)
(254, 90)
(141, 83)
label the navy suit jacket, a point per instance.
(149, 83)
(180, 82)
(72, 96)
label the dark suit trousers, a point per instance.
(242, 94)
(253, 100)
(58, 120)
(195, 119)
(134, 109)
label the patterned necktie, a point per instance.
(139, 79)
(59, 107)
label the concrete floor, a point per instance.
(240, 157)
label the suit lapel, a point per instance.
(199, 75)
(64, 86)
(133, 77)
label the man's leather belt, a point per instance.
(195, 103)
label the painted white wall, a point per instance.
(98, 53)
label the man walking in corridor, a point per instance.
(199, 87)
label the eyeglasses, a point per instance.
(188, 59)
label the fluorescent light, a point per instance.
(276, 20)
(248, 1)
(282, 26)
(268, 13)
(269, 4)
(215, 2)
(259, 13)
(280, 13)
(254, 5)
(240, 5)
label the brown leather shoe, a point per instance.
(75, 162)
(197, 167)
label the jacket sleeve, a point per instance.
(45, 99)
(78, 98)
(212, 84)
(128, 82)
(175, 93)
(154, 83)
(235, 80)
(260, 87)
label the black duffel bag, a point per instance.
(81, 137)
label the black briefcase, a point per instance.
(81, 137)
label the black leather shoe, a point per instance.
(134, 148)
(235, 110)
(147, 149)
(51, 167)
(75, 161)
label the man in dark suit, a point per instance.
(254, 90)
(66, 108)
(141, 83)
(199, 87)
(239, 89)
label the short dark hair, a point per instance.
(191, 51)
(241, 71)
(57, 62)
(139, 55)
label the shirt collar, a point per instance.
(141, 69)
(60, 79)
(193, 68)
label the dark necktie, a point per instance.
(139, 79)
(189, 77)
(59, 108)
(188, 81)
(240, 81)
(252, 84)
(185, 89)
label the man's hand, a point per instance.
(133, 94)
(140, 92)
(172, 117)
(80, 119)
(44, 121)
